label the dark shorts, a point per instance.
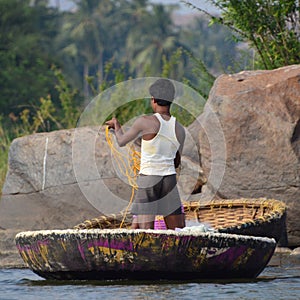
(157, 195)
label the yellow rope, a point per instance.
(128, 165)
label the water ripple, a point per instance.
(274, 283)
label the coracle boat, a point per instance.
(100, 249)
(98, 254)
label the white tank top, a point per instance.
(158, 154)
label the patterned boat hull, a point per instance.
(143, 254)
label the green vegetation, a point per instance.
(26, 34)
(4, 147)
(270, 27)
(53, 62)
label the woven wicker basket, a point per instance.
(256, 217)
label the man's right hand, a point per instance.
(113, 124)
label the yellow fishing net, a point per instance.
(127, 163)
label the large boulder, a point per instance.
(54, 180)
(250, 139)
(59, 179)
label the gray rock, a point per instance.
(59, 179)
(250, 139)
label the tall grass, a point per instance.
(4, 147)
(45, 116)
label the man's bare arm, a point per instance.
(180, 133)
(125, 137)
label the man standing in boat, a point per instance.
(162, 143)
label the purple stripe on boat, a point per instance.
(113, 244)
(34, 247)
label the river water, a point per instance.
(273, 283)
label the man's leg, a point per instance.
(175, 221)
(134, 224)
(145, 221)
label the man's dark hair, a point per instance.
(163, 91)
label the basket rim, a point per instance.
(278, 210)
(275, 205)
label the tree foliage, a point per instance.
(25, 47)
(272, 27)
(82, 42)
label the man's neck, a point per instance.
(163, 111)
